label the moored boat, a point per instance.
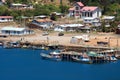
(82, 60)
(51, 56)
(112, 58)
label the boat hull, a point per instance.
(49, 57)
(87, 61)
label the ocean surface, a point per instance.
(26, 64)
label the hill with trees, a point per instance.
(109, 7)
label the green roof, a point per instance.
(91, 53)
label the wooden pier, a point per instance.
(95, 57)
(102, 54)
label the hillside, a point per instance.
(56, 2)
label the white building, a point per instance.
(81, 11)
(15, 31)
(68, 27)
(6, 18)
(91, 12)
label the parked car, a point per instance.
(60, 34)
(45, 33)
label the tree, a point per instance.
(63, 8)
(4, 10)
(103, 27)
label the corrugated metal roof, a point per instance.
(71, 25)
(108, 17)
(12, 29)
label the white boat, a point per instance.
(82, 60)
(113, 58)
(51, 56)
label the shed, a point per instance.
(79, 39)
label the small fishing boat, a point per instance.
(51, 56)
(82, 60)
(113, 58)
(7, 45)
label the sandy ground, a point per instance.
(53, 38)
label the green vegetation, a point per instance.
(109, 7)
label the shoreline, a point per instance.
(37, 38)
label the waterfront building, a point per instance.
(15, 31)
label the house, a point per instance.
(6, 18)
(19, 6)
(41, 23)
(91, 11)
(68, 27)
(79, 10)
(76, 10)
(15, 31)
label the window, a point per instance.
(85, 14)
(90, 14)
(3, 18)
(77, 8)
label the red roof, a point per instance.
(71, 9)
(89, 8)
(80, 3)
(6, 16)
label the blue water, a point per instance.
(26, 64)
